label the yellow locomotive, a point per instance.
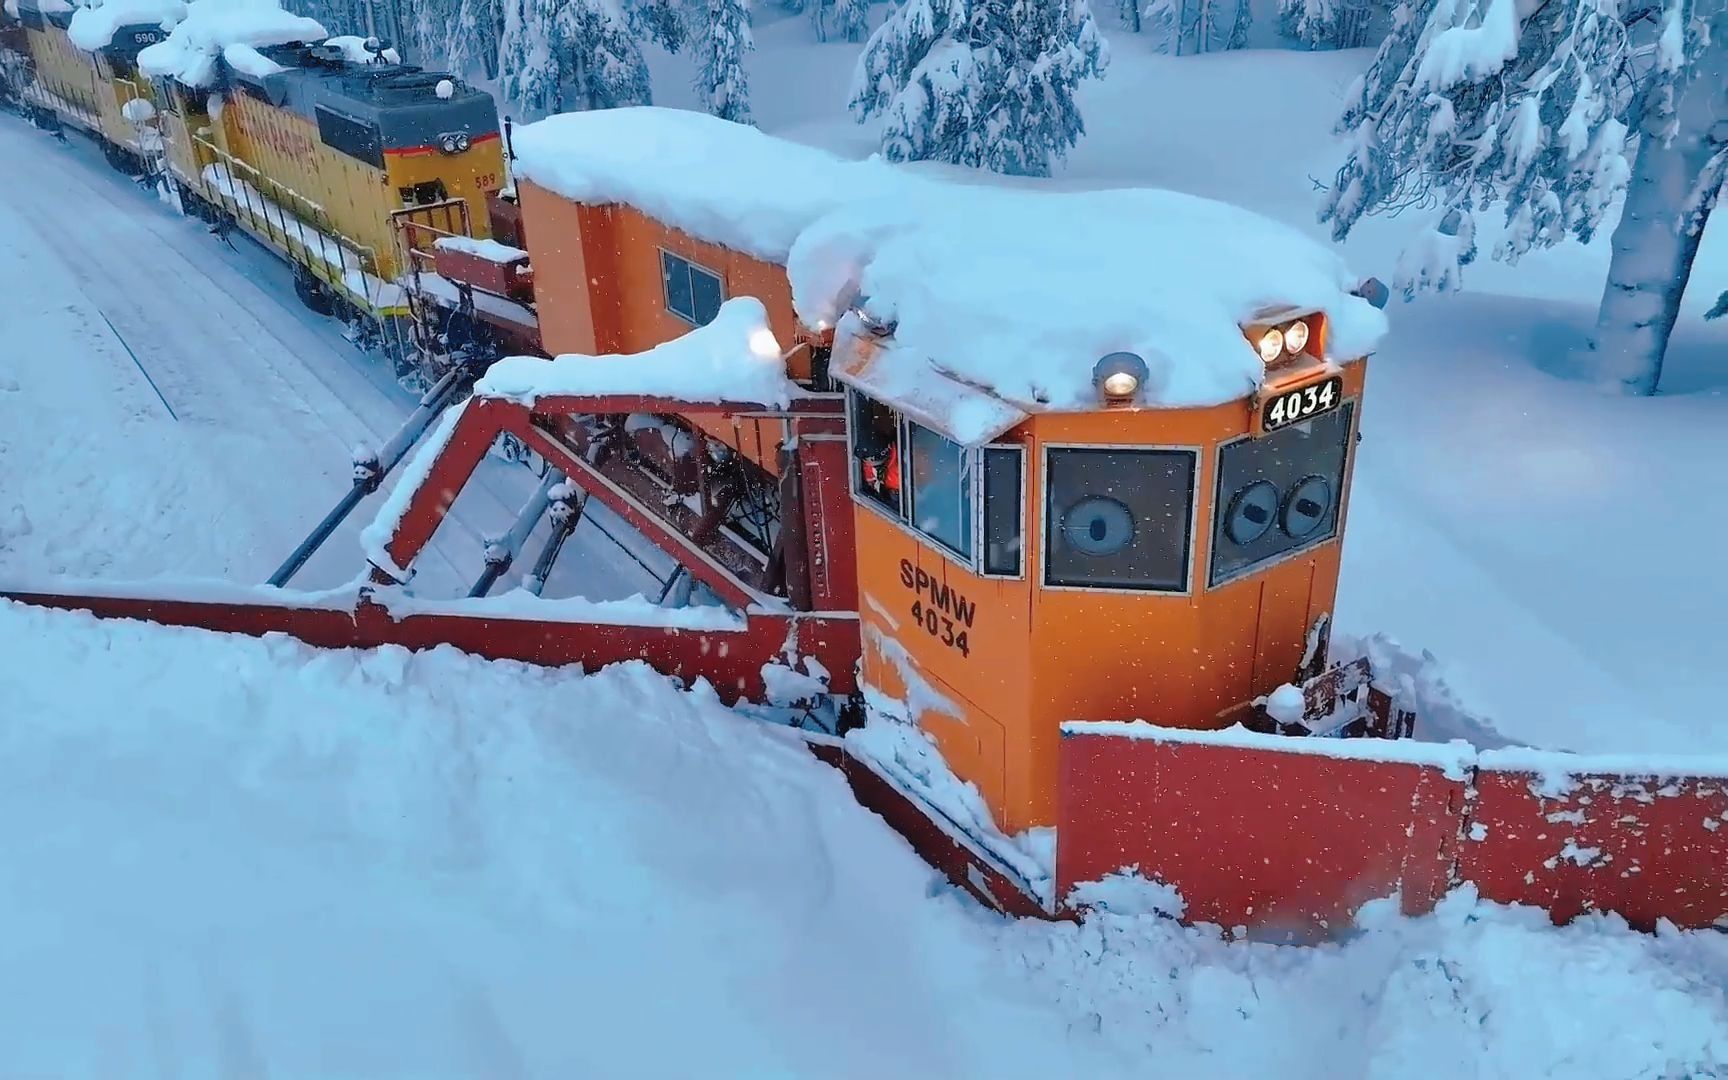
(319, 148)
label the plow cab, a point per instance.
(1022, 567)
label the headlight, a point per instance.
(462, 144)
(1296, 336)
(1121, 385)
(449, 144)
(1271, 345)
(1119, 376)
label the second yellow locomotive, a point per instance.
(317, 147)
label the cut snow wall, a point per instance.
(1286, 837)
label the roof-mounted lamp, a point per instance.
(874, 325)
(1119, 377)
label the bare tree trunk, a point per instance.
(1658, 235)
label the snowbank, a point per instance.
(93, 28)
(734, 358)
(1014, 290)
(221, 844)
(191, 50)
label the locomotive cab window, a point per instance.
(1278, 494)
(692, 293)
(876, 453)
(1119, 518)
(967, 502)
(939, 474)
(1004, 540)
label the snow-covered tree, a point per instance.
(1539, 108)
(659, 21)
(723, 39)
(461, 35)
(1184, 27)
(844, 20)
(979, 82)
(1129, 12)
(1330, 24)
(557, 54)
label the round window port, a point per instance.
(1251, 513)
(1097, 525)
(1307, 507)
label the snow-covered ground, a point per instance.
(235, 857)
(1550, 545)
(167, 407)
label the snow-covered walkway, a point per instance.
(232, 857)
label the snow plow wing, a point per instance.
(728, 651)
(1285, 838)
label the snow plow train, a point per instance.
(1033, 533)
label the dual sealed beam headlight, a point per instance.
(1285, 340)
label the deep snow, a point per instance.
(239, 857)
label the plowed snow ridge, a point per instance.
(228, 856)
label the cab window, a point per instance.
(876, 472)
(1119, 518)
(964, 500)
(1004, 540)
(1278, 494)
(940, 474)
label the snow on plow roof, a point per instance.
(734, 358)
(93, 28)
(1008, 291)
(190, 52)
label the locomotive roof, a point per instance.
(96, 27)
(399, 101)
(1003, 294)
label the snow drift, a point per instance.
(241, 856)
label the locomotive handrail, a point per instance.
(364, 252)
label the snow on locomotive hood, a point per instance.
(93, 28)
(993, 285)
(190, 52)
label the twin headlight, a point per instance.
(454, 142)
(1278, 342)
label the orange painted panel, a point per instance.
(598, 273)
(561, 270)
(968, 640)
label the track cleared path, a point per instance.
(219, 415)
